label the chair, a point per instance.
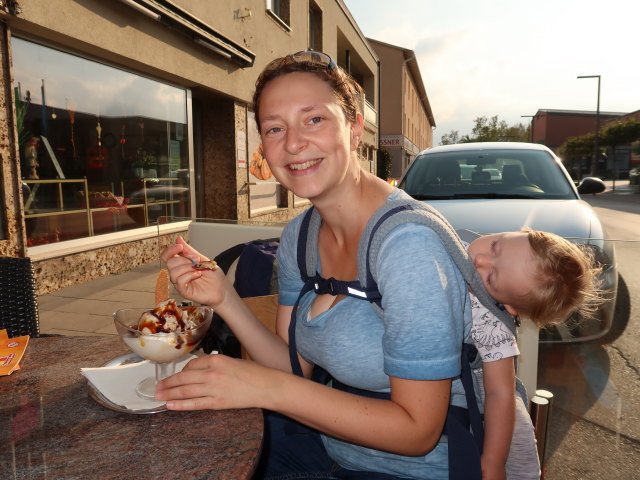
(265, 309)
(512, 176)
(18, 297)
(480, 176)
(448, 171)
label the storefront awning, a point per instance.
(179, 19)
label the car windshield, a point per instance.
(498, 173)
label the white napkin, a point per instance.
(118, 384)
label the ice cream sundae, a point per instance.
(162, 334)
(166, 332)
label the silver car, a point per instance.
(532, 190)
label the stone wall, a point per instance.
(13, 240)
(56, 273)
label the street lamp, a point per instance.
(531, 117)
(594, 163)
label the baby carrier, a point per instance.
(464, 427)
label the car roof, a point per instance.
(461, 147)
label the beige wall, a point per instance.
(114, 33)
(391, 86)
(405, 113)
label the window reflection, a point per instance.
(102, 149)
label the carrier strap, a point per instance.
(463, 426)
(407, 210)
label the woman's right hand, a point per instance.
(208, 287)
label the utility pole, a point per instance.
(532, 117)
(594, 162)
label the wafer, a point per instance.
(206, 265)
(162, 286)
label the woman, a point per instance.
(309, 115)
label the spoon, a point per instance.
(206, 265)
(193, 262)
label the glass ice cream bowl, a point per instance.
(143, 331)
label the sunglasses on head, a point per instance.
(311, 57)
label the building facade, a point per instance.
(122, 119)
(553, 127)
(406, 119)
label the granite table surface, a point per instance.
(50, 428)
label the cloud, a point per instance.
(430, 47)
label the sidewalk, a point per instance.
(625, 197)
(86, 309)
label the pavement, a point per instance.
(86, 309)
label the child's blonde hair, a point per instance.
(567, 280)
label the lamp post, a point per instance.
(594, 163)
(531, 117)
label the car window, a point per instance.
(487, 173)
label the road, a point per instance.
(595, 415)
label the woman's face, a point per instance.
(306, 137)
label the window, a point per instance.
(280, 11)
(101, 149)
(265, 193)
(315, 27)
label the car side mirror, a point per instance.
(591, 185)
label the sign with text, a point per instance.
(391, 140)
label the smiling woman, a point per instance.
(383, 415)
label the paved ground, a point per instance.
(86, 309)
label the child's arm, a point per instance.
(499, 415)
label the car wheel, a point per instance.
(621, 314)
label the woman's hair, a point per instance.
(567, 280)
(349, 95)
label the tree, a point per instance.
(450, 138)
(490, 130)
(495, 130)
(575, 150)
(383, 166)
(620, 133)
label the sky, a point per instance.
(513, 57)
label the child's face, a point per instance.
(507, 266)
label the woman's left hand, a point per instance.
(217, 382)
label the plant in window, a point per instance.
(22, 106)
(144, 158)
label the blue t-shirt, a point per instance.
(426, 316)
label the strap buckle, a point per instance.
(325, 285)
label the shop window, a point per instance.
(101, 149)
(280, 10)
(265, 193)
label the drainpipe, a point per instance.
(379, 105)
(402, 152)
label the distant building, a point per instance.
(406, 119)
(553, 127)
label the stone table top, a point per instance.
(51, 428)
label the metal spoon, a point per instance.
(193, 262)
(208, 265)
